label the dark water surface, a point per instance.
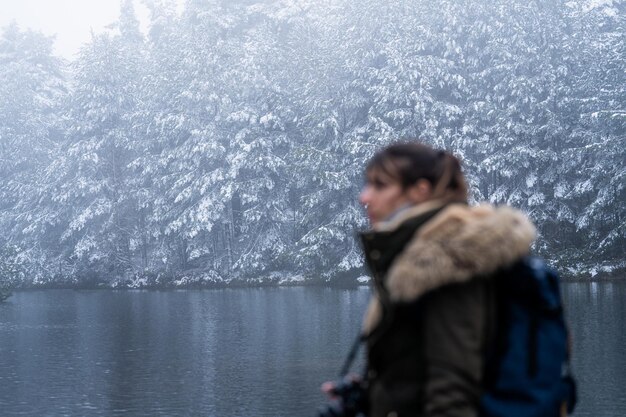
(597, 319)
(240, 352)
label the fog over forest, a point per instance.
(226, 145)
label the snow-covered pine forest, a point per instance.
(226, 144)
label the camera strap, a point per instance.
(352, 354)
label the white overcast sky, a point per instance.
(70, 20)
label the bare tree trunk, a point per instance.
(229, 248)
(183, 253)
(144, 239)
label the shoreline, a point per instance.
(256, 285)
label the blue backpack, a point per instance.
(527, 371)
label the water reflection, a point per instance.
(597, 313)
(244, 352)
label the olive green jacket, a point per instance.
(431, 316)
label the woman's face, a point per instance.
(382, 195)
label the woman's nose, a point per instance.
(364, 197)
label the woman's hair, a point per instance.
(408, 162)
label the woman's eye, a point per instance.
(379, 185)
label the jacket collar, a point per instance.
(386, 240)
(455, 244)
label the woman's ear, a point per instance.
(420, 192)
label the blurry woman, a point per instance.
(432, 258)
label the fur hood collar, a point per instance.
(458, 244)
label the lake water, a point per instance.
(238, 352)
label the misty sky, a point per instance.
(70, 20)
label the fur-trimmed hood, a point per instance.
(458, 244)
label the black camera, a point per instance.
(350, 400)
